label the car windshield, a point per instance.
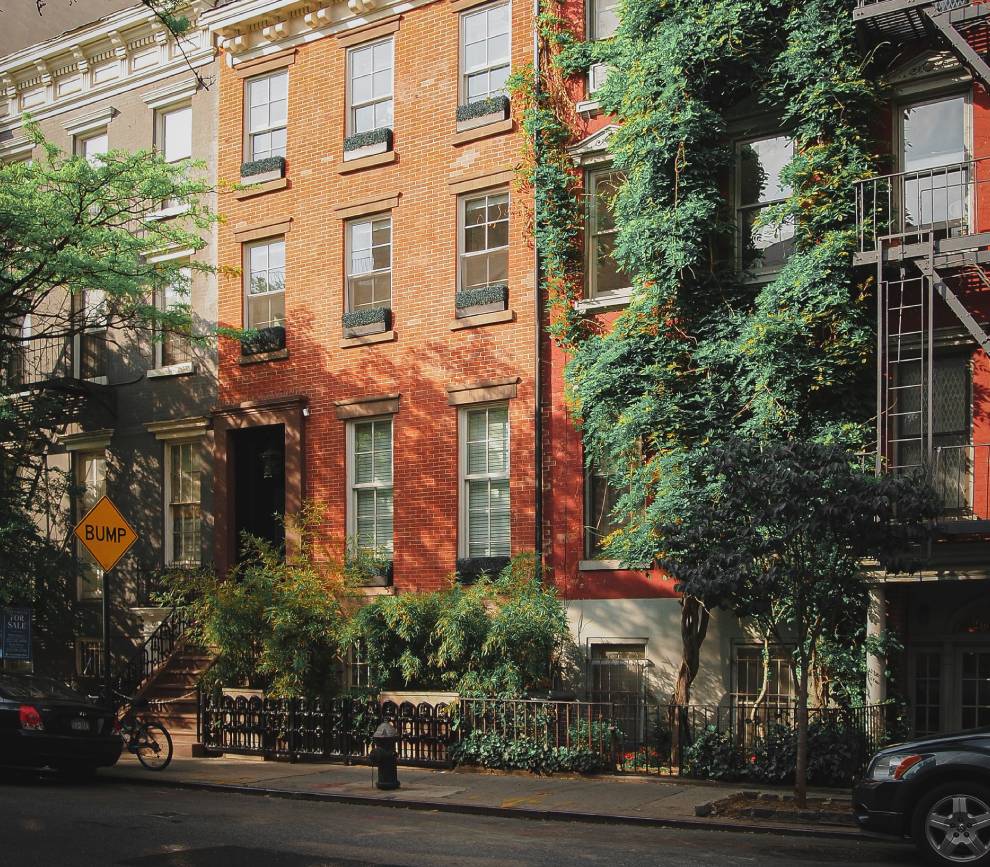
(30, 686)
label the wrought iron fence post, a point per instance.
(346, 736)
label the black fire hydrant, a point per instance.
(383, 756)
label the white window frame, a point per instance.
(79, 142)
(353, 487)
(247, 247)
(353, 106)
(249, 133)
(348, 249)
(621, 294)
(196, 445)
(464, 480)
(466, 73)
(462, 256)
(161, 303)
(78, 457)
(98, 643)
(757, 272)
(82, 299)
(160, 128)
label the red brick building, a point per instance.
(384, 265)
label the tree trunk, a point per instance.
(694, 627)
(801, 768)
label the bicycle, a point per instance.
(149, 740)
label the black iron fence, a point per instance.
(743, 740)
(131, 674)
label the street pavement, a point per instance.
(109, 822)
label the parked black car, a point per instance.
(935, 790)
(43, 723)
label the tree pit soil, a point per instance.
(774, 807)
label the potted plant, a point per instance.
(367, 320)
(369, 143)
(484, 299)
(367, 567)
(261, 171)
(471, 568)
(482, 112)
(259, 340)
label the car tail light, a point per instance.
(30, 718)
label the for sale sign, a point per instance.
(15, 633)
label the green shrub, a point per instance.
(495, 751)
(714, 755)
(835, 752)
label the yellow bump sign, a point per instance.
(105, 533)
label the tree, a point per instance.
(71, 226)
(782, 536)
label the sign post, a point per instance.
(107, 536)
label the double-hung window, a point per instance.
(601, 495)
(369, 74)
(484, 239)
(92, 145)
(175, 133)
(91, 485)
(603, 21)
(183, 509)
(369, 262)
(171, 347)
(264, 286)
(370, 479)
(484, 52)
(267, 111)
(92, 337)
(759, 185)
(485, 513)
(605, 278)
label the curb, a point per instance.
(507, 812)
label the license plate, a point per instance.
(80, 725)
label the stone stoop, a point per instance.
(171, 696)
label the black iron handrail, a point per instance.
(153, 653)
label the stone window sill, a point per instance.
(483, 319)
(259, 357)
(597, 305)
(259, 189)
(345, 168)
(171, 370)
(469, 134)
(166, 213)
(589, 107)
(608, 566)
(367, 339)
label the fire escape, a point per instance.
(927, 233)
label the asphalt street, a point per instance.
(46, 822)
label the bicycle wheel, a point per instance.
(153, 746)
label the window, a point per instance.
(484, 52)
(485, 482)
(89, 657)
(93, 334)
(603, 18)
(759, 164)
(369, 74)
(182, 494)
(370, 502)
(933, 136)
(484, 240)
(749, 674)
(369, 262)
(91, 485)
(91, 146)
(605, 278)
(600, 497)
(265, 283)
(975, 687)
(173, 348)
(267, 111)
(175, 133)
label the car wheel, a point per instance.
(951, 825)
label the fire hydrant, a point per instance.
(383, 756)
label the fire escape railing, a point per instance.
(941, 202)
(961, 478)
(36, 360)
(149, 657)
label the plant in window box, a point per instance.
(470, 569)
(484, 111)
(367, 567)
(368, 143)
(261, 171)
(257, 340)
(486, 299)
(367, 320)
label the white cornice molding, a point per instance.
(96, 120)
(594, 148)
(87, 440)
(179, 429)
(178, 91)
(16, 148)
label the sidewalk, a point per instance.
(631, 800)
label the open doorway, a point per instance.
(259, 483)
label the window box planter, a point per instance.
(487, 299)
(262, 171)
(367, 144)
(380, 576)
(370, 320)
(469, 569)
(264, 340)
(483, 112)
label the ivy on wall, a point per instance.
(702, 353)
